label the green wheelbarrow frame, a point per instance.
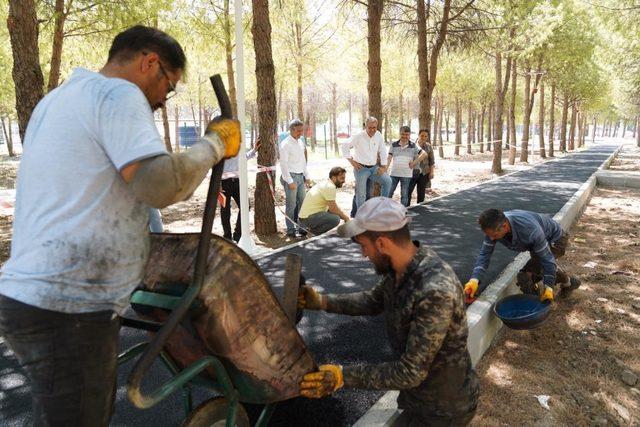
(190, 376)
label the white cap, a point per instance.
(376, 214)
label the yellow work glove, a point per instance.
(310, 299)
(325, 381)
(229, 132)
(471, 287)
(547, 294)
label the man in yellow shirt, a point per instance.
(319, 212)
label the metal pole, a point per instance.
(325, 141)
(246, 241)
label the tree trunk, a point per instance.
(438, 135)
(572, 127)
(469, 128)
(563, 123)
(446, 123)
(624, 128)
(501, 90)
(512, 114)
(635, 127)
(400, 110)
(481, 129)
(312, 125)
(595, 126)
(374, 64)
(552, 124)
(456, 150)
(165, 127)
(22, 23)
(7, 137)
(264, 213)
(176, 116)
(298, 35)
(334, 115)
(228, 47)
(58, 39)
(526, 120)
(427, 83)
(350, 115)
(490, 127)
(543, 153)
(637, 133)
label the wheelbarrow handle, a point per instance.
(177, 315)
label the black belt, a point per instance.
(367, 166)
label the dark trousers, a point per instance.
(231, 188)
(410, 418)
(421, 182)
(534, 271)
(70, 360)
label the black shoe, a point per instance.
(302, 232)
(574, 283)
(291, 234)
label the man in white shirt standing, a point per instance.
(293, 175)
(367, 145)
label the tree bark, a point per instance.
(572, 127)
(228, 48)
(543, 153)
(334, 115)
(552, 124)
(637, 133)
(400, 110)
(165, 127)
(264, 213)
(501, 90)
(490, 126)
(624, 128)
(563, 123)
(22, 23)
(526, 120)
(426, 93)
(595, 126)
(58, 39)
(512, 114)
(176, 116)
(469, 128)
(438, 135)
(7, 137)
(481, 129)
(374, 64)
(456, 149)
(446, 123)
(298, 36)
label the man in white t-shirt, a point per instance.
(93, 164)
(362, 151)
(320, 212)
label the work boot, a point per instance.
(526, 285)
(574, 283)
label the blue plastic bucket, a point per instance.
(522, 311)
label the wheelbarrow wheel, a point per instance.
(213, 413)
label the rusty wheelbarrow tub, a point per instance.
(236, 317)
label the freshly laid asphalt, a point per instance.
(447, 224)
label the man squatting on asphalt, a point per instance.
(425, 317)
(523, 231)
(93, 164)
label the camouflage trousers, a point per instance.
(532, 272)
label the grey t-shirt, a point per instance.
(80, 236)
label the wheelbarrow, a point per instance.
(215, 323)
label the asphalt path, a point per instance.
(447, 224)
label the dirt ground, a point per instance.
(579, 356)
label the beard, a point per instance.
(382, 264)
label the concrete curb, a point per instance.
(483, 325)
(618, 179)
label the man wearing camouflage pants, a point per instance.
(422, 302)
(523, 231)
